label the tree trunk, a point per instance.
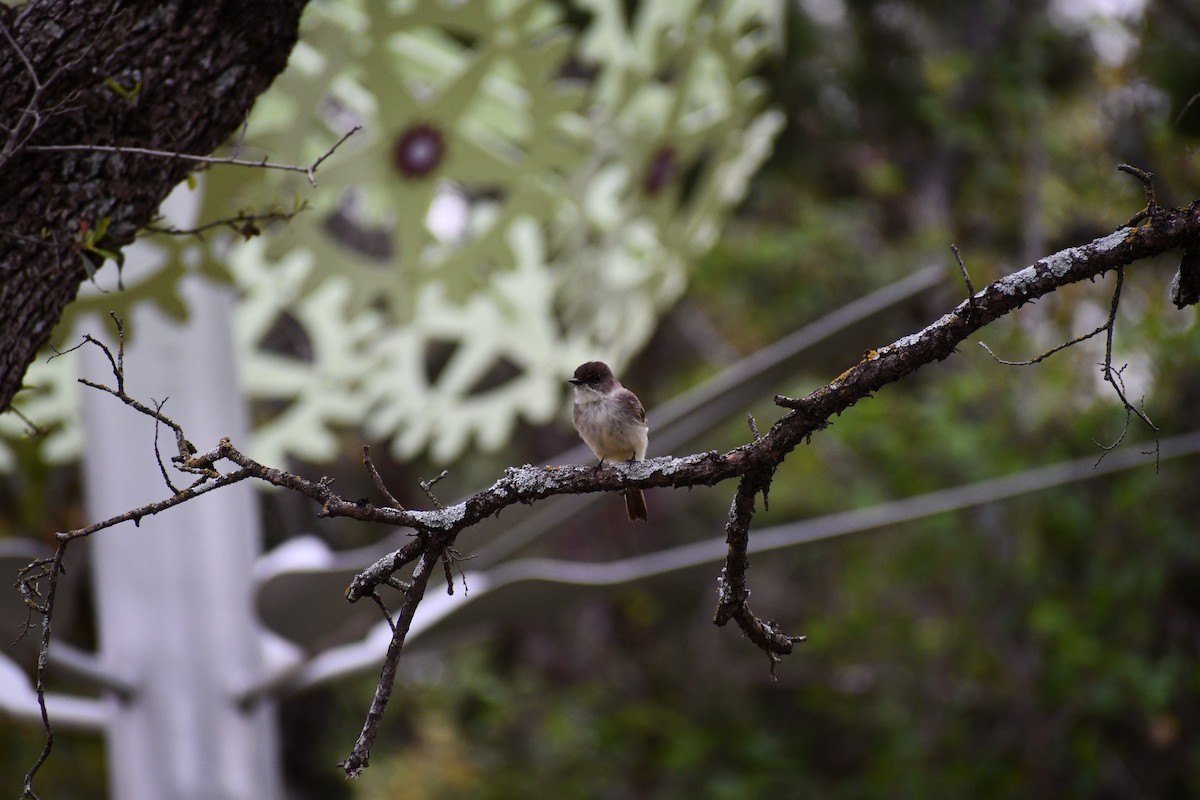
(174, 75)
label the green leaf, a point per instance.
(101, 228)
(128, 94)
(111, 255)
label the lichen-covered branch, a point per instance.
(360, 755)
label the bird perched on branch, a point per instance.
(612, 422)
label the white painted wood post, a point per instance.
(174, 596)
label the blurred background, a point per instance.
(712, 180)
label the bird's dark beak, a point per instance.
(575, 381)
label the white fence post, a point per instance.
(174, 596)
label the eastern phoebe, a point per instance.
(612, 422)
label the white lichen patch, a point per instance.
(526, 479)
(444, 518)
(905, 341)
(670, 466)
(914, 338)
(636, 469)
(1060, 263)
(1018, 282)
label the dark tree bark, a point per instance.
(169, 75)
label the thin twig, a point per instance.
(120, 367)
(310, 171)
(427, 487)
(1186, 106)
(450, 558)
(56, 567)
(378, 479)
(383, 607)
(1048, 353)
(1147, 179)
(313, 169)
(162, 468)
(966, 276)
(753, 426)
(150, 509)
(1114, 378)
(237, 146)
(29, 120)
(186, 449)
(244, 224)
(34, 428)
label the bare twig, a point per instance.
(1114, 377)
(1111, 375)
(1186, 107)
(966, 276)
(383, 607)
(135, 516)
(1048, 353)
(33, 428)
(427, 487)
(312, 170)
(309, 171)
(1147, 179)
(55, 567)
(186, 448)
(449, 558)
(162, 468)
(245, 224)
(241, 139)
(119, 368)
(378, 479)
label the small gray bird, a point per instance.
(612, 422)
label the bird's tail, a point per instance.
(635, 505)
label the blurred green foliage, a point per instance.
(83, 779)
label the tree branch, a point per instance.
(360, 755)
(754, 463)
